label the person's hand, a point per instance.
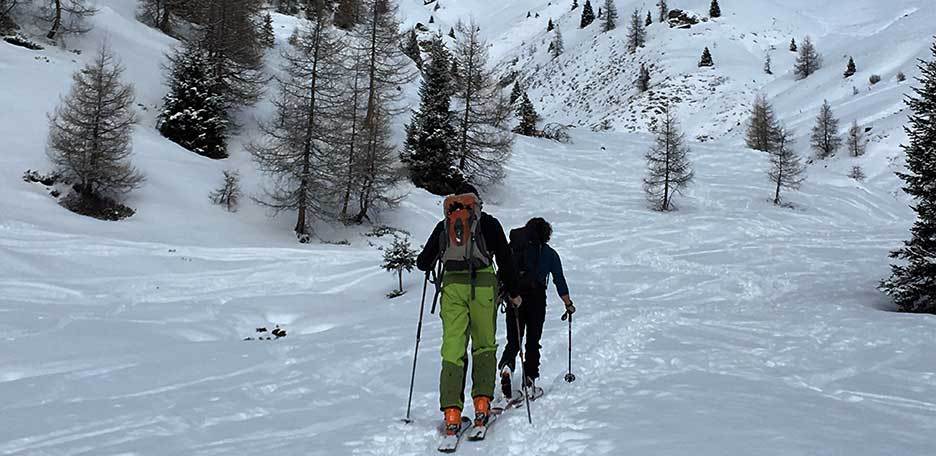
(517, 301)
(570, 308)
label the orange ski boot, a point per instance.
(453, 417)
(482, 406)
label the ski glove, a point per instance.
(570, 309)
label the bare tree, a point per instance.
(636, 34)
(668, 168)
(825, 139)
(762, 127)
(228, 195)
(90, 131)
(856, 141)
(483, 141)
(65, 16)
(299, 149)
(161, 13)
(786, 171)
(230, 31)
(7, 23)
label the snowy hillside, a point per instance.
(728, 327)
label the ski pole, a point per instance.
(569, 377)
(526, 395)
(437, 281)
(422, 306)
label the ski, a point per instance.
(450, 442)
(478, 433)
(519, 401)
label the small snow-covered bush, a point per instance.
(874, 79)
(557, 132)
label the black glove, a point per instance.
(570, 309)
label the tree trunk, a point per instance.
(56, 20)
(400, 272)
(776, 200)
(310, 125)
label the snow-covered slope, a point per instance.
(728, 327)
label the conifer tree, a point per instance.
(156, 13)
(451, 32)
(649, 20)
(228, 195)
(793, 47)
(398, 258)
(430, 136)
(609, 21)
(643, 81)
(588, 15)
(763, 126)
(66, 16)
(668, 168)
(706, 60)
(855, 141)
(7, 22)
(786, 171)
(233, 42)
(516, 93)
(529, 15)
(299, 150)
(90, 131)
(767, 63)
(549, 25)
(808, 61)
(714, 9)
(664, 10)
(636, 35)
(527, 115)
(267, 35)
(825, 139)
(411, 48)
(483, 141)
(556, 46)
(912, 284)
(574, 5)
(193, 114)
(850, 70)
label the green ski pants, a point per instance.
(464, 318)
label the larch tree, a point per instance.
(786, 171)
(825, 138)
(7, 22)
(483, 140)
(636, 34)
(430, 150)
(643, 81)
(299, 150)
(556, 46)
(663, 10)
(609, 21)
(160, 13)
(855, 141)
(762, 126)
(90, 133)
(348, 14)
(808, 61)
(193, 114)
(66, 16)
(668, 168)
(912, 283)
(231, 34)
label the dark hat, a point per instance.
(467, 188)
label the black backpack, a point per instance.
(527, 249)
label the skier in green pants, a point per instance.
(466, 243)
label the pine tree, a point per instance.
(706, 60)
(437, 6)
(66, 16)
(588, 15)
(664, 10)
(529, 15)
(574, 5)
(378, 38)
(850, 70)
(786, 171)
(912, 284)
(527, 115)
(808, 61)
(855, 141)
(636, 35)
(431, 137)
(825, 139)
(714, 9)
(90, 131)
(347, 14)
(193, 114)
(555, 46)
(549, 25)
(451, 32)
(299, 150)
(609, 21)
(398, 258)
(668, 167)
(411, 48)
(228, 195)
(793, 47)
(267, 35)
(763, 126)
(649, 20)
(516, 93)
(767, 63)
(643, 81)
(483, 141)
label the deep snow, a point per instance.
(728, 327)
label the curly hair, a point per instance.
(541, 227)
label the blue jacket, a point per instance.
(549, 264)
